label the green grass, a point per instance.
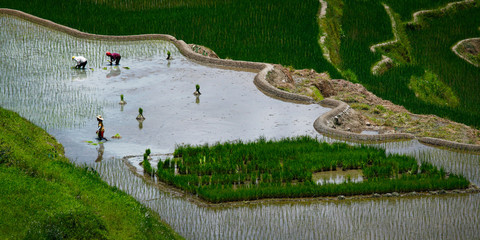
(261, 31)
(283, 169)
(422, 48)
(42, 194)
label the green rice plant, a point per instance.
(284, 168)
(147, 167)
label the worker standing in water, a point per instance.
(101, 128)
(80, 60)
(114, 57)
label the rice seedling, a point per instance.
(140, 116)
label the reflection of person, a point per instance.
(81, 61)
(114, 57)
(101, 128)
(79, 75)
(100, 150)
(115, 71)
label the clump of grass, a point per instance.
(316, 94)
(147, 167)
(430, 89)
(117, 136)
(360, 106)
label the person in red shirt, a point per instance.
(114, 57)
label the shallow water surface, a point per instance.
(37, 82)
(338, 176)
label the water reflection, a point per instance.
(100, 149)
(114, 71)
(338, 176)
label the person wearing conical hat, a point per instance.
(101, 128)
(114, 57)
(80, 60)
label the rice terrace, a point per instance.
(228, 119)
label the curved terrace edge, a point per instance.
(320, 124)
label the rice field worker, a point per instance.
(101, 128)
(80, 60)
(114, 57)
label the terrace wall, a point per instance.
(320, 124)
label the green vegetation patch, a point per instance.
(430, 89)
(236, 171)
(44, 196)
(420, 48)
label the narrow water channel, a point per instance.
(37, 81)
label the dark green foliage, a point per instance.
(235, 171)
(80, 224)
(365, 23)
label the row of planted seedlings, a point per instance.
(235, 171)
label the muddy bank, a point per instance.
(342, 121)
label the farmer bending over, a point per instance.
(81, 61)
(114, 57)
(100, 129)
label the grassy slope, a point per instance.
(40, 189)
(431, 51)
(273, 31)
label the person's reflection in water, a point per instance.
(79, 75)
(140, 124)
(114, 71)
(100, 151)
(197, 99)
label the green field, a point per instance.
(240, 171)
(44, 196)
(423, 48)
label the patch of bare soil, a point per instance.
(371, 113)
(472, 46)
(203, 50)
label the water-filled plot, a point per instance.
(37, 81)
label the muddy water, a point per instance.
(36, 81)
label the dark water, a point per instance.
(36, 81)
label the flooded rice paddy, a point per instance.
(37, 81)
